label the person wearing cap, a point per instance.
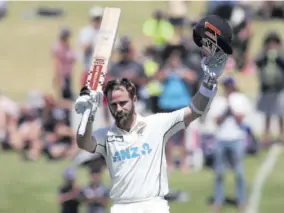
(134, 146)
(127, 67)
(96, 194)
(87, 39)
(270, 64)
(64, 58)
(69, 192)
(228, 113)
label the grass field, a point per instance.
(25, 63)
(31, 186)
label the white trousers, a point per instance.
(157, 205)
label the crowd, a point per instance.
(167, 74)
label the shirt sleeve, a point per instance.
(171, 122)
(100, 136)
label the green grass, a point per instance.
(32, 186)
(25, 63)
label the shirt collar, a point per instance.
(139, 123)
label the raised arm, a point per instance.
(201, 101)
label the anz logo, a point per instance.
(133, 152)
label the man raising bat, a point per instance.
(134, 146)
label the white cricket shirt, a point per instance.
(136, 159)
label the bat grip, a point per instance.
(84, 122)
(85, 118)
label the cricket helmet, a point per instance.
(214, 34)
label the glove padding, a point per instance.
(88, 99)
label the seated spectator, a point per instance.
(176, 80)
(27, 139)
(96, 194)
(68, 193)
(270, 63)
(59, 137)
(9, 116)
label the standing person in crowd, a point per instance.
(176, 79)
(64, 60)
(128, 67)
(270, 63)
(68, 193)
(157, 30)
(96, 194)
(241, 21)
(228, 111)
(87, 39)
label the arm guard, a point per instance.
(201, 101)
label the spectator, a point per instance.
(9, 116)
(241, 22)
(177, 12)
(64, 58)
(270, 63)
(96, 194)
(176, 94)
(27, 139)
(58, 135)
(228, 112)
(153, 87)
(3, 9)
(271, 10)
(88, 37)
(158, 30)
(68, 193)
(127, 67)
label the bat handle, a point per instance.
(84, 121)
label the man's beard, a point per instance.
(123, 118)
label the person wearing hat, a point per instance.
(96, 194)
(228, 113)
(64, 58)
(270, 64)
(68, 192)
(135, 141)
(87, 39)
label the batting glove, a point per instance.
(213, 67)
(88, 100)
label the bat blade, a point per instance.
(102, 53)
(103, 48)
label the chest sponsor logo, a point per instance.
(133, 152)
(115, 138)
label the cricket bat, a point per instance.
(102, 54)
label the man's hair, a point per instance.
(124, 82)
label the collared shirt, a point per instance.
(136, 159)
